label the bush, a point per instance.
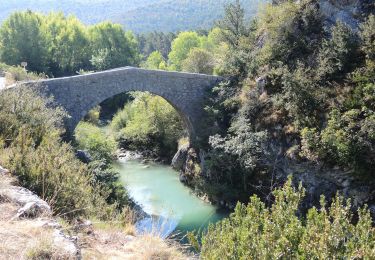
(101, 147)
(258, 232)
(149, 123)
(339, 54)
(93, 139)
(32, 150)
(52, 171)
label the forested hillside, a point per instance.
(139, 16)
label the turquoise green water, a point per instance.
(157, 189)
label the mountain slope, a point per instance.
(139, 16)
(177, 15)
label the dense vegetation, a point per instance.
(150, 124)
(189, 51)
(57, 45)
(30, 146)
(313, 100)
(255, 231)
(138, 16)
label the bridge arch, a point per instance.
(79, 94)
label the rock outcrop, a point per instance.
(24, 212)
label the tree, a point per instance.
(112, 47)
(156, 41)
(199, 61)
(233, 24)
(339, 54)
(22, 40)
(181, 47)
(149, 122)
(154, 61)
(68, 44)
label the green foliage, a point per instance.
(155, 61)
(23, 40)
(298, 89)
(339, 54)
(348, 138)
(33, 151)
(18, 113)
(233, 24)
(181, 46)
(155, 41)
(367, 35)
(52, 171)
(93, 139)
(100, 146)
(112, 47)
(258, 232)
(286, 42)
(235, 159)
(191, 52)
(67, 43)
(59, 45)
(93, 116)
(149, 122)
(199, 61)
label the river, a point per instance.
(172, 206)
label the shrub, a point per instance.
(93, 139)
(339, 54)
(258, 232)
(32, 150)
(149, 122)
(101, 147)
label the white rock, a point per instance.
(3, 170)
(66, 243)
(31, 204)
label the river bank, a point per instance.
(29, 230)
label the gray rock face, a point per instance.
(38, 214)
(179, 159)
(346, 11)
(79, 94)
(66, 244)
(3, 171)
(31, 204)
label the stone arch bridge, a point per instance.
(79, 94)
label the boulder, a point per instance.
(66, 244)
(31, 204)
(180, 157)
(3, 171)
(83, 156)
(32, 209)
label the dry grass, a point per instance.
(6, 181)
(23, 239)
(149, 247)
(114, 244)
(27, 240)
